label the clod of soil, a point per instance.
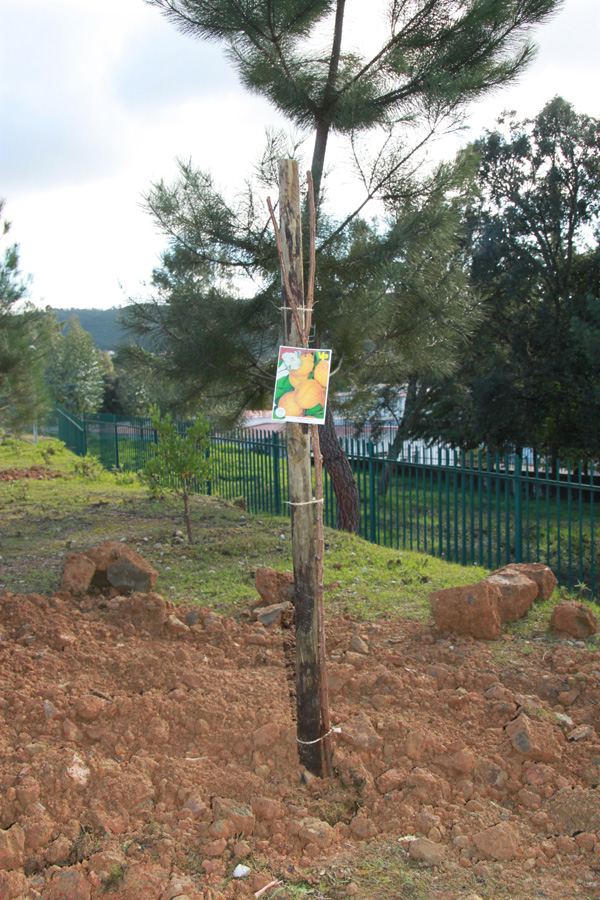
(146, 750)
(39, 473)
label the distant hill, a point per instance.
(102, 324)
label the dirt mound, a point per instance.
(35, 472)
(147, 749)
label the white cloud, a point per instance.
(98, 98)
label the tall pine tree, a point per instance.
(435, 58)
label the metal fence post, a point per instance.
(518, 509)
(276, 473)
(372, 494)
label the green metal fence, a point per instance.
(469, 508)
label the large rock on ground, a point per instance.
(543, 576)
(498, 842)
(472, 609)
(517, 593)
(111, 564)
(148, 612)
(576, 619)
(274, 587)
(534, 740)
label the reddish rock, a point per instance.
(338, 675)
(69, 884)
(576, 619)
(498, 842)
(78, 571)
(517, 593)
(274, 587)
(147, 612)
(390, 780)
(543, 576)
(13, 886)
(472, 609)
(147, 880)
(239, 814)
(426, 851)
(535, 740)
(12, 845)
(272, 614)
(314, 831)
(572, 811)
(131, 572)
(359, 733)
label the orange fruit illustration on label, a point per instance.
(322, 372)
(290, 403)
(310, 394)
(297, 378)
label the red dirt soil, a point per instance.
(145, 759)
(37, 473)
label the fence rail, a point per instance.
(470, 508)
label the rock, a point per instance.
(338, 675)
(59, 850)
(77, 574)
(535, 740)
(498, 842)
(362, 828)
(359, 733)
(239, 814)
(13, 886)
(359, 645)
(272, 614)
(131, 572)
(241, 871)
(426, 851)
(274, 587)
(147, 612)
(314, 831)
(175, 626)
(215, 848)
(517, 593)
(488, 773)
(143, 880)
(390, 780)
(12, 846)
(580, 733)
(69, 884)
(265, 737)
(267, 809)
(576, 619)
(543, 576)
(472, 609)
(574, 810)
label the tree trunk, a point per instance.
(186, 517)
(410, 406)
(342, 477)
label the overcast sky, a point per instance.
(99, 97)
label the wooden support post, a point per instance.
(300, 490)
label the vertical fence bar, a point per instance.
(518, 510)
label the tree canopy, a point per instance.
(530, 374)
(23, 341)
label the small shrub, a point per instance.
(88, 467)
(179, 464)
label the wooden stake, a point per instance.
(300, 487)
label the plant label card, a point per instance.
(301, 385)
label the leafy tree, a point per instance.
(180, 464)
(75, 372)
(23, 345)
(530, 375)
(437, 56)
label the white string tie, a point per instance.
(334, 730)
(304, 503)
